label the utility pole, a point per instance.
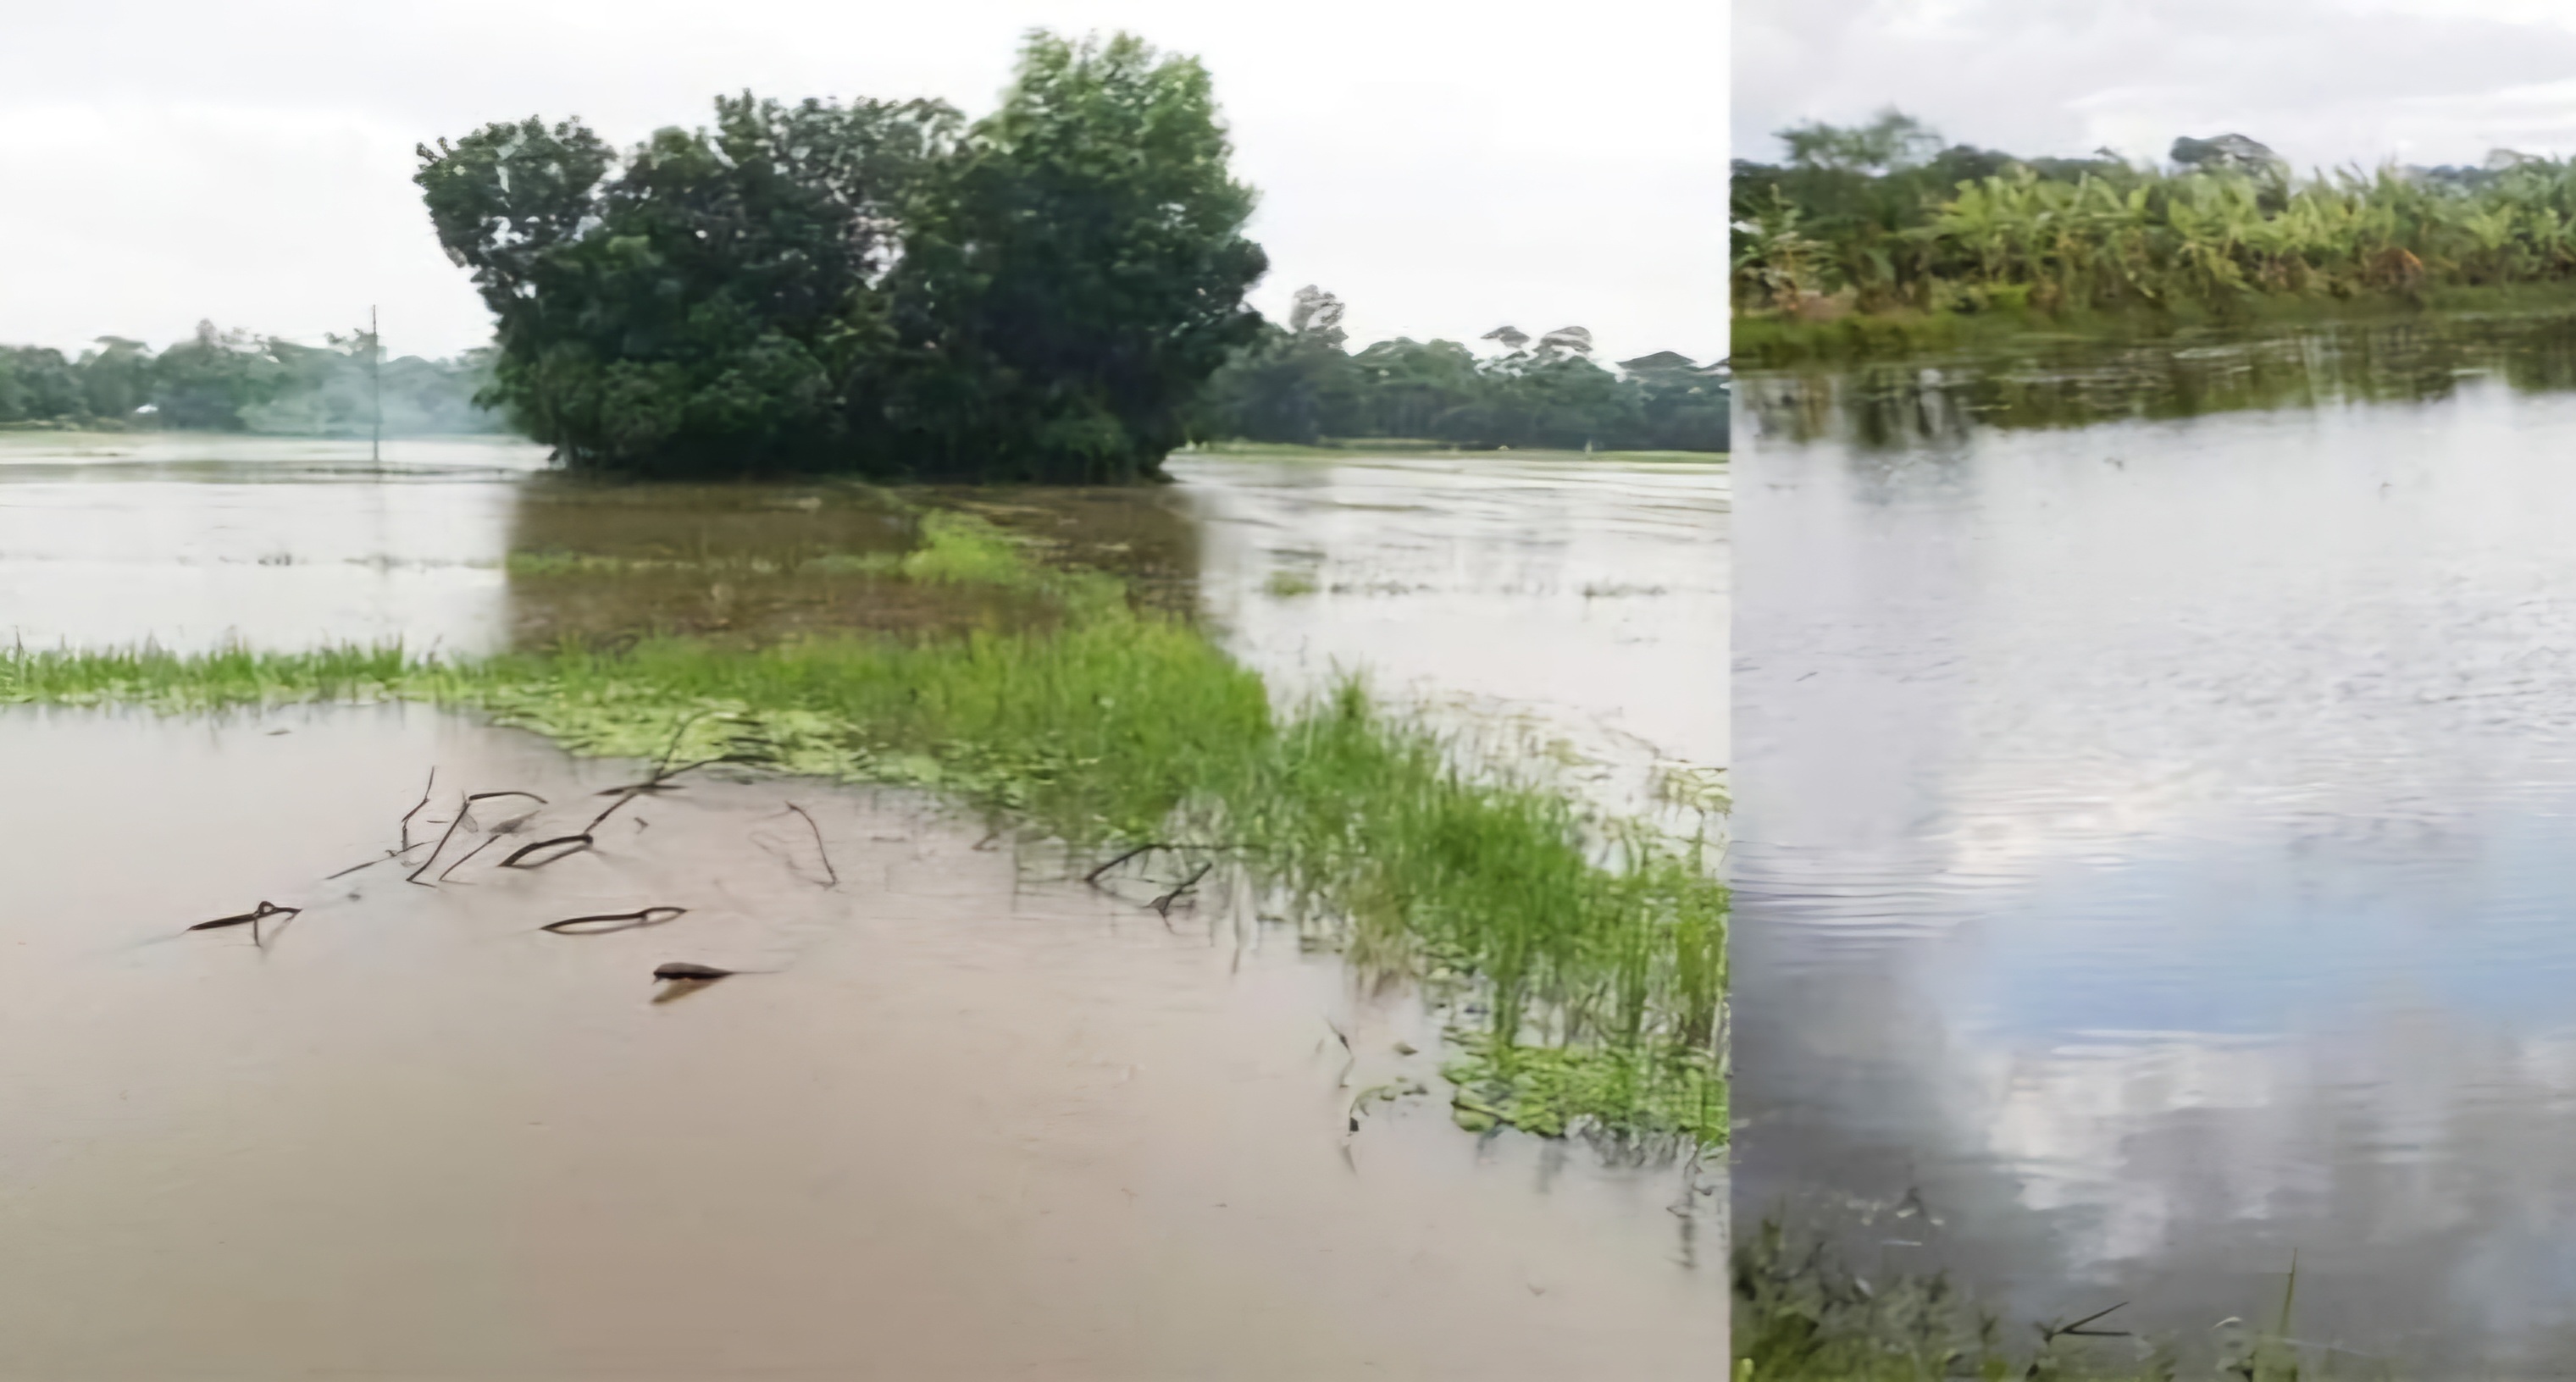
(376, 386)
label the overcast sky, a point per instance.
(1445, 167)
(2324, 82)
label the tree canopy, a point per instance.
(1300, 384)
(876, 287)
(233, 381)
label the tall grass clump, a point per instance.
(1803, 1314)
(1584, 960)
(1972, 232)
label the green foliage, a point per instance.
(233, 381)
(1970, 231)
(1075, 271)
(705, 305)
(1299, 385)
(1803, 1314)
(37, 384)
(870, 287)
(1891, 141)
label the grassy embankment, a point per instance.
(1584, 959)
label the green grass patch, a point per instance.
(1804, 1315)
(1582, 959)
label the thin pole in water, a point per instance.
(376, 386)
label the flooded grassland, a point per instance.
(953, 1074)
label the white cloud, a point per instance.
(2326, 82)
(1443, 166)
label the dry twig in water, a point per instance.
(425, 790)
(683, 978)
(831, 872)
(468, 855)
(577, 843)
(464, 808)
(1163, 905)
(370, 863)
(1093, 877)
(251, 918)
(614, 921)
(684, 969)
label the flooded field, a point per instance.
(1583, 600)
(955, 1114)
(2153, 856)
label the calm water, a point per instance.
(957, 1117)
(1578, 606)
(2157, 840)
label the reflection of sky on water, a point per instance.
(2154, 845)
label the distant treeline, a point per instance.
(231, 381)
(1299, 383)
(1884, 217)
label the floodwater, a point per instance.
(1579, 603)
(955, 1116)
(2154, 852)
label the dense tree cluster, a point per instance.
(878, 287)
(1299, 383)
(235, 382)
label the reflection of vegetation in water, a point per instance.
(1803, 1315)
(1371, 448)
(747, 564)
(1883, 220)
(1585, 959)
(2040, 382)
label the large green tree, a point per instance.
(710, 303)
(1076, 271)
(870, 287)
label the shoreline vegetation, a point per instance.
(1802, 1313)
(1878, 239)
(1300, 384)
(1581, 960)
(234, 381)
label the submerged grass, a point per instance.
(1584, 959)
(1803, 1315)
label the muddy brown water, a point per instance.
(958, 1116)
(1556, 609)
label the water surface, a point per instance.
(958, 1115)
(2154, 841)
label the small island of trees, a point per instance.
(1052, 293)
